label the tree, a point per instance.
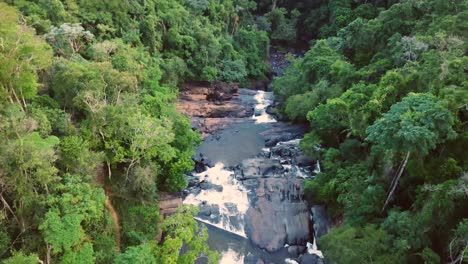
(144, 253)
(181, 228)
(368, 244)
(73, 206)
(416, 124)
(21, 258)
(22, 56)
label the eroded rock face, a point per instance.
(280, 132)
(279, 215)
(213, 107)
(221, 91)
(168, 203)
(322, 222)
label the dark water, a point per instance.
(229, 245)
(230, 147)
(233, 145)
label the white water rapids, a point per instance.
(230, 197)
(264, 99)
(232, 201)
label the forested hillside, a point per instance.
(89, 132)
(384, 87)
(90, 138)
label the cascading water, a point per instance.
(224, 200)
(230, 199)
(313, 249)
(317, 167)
(264, 99)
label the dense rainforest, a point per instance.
(90, 138)
(89, 132)
(384, 87)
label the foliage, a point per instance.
(364, 245)
(180, 229)
(383, 79)
(88, 117)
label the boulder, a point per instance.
(303, 161)
(200, 166)
(309, 259)
(205, 185)
(279, 215)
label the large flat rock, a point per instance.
(215, 107)
(279, 215)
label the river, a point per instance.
(249, 184)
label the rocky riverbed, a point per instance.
(249, 175)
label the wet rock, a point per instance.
(290, 152)
(251, 259)
(303, 161)
(260, 167)
(250, 184)
(284, 151)
(309, 259)
(202, 260)
(322, 222)
(274, 111)
(204, 185)
(192, 180)
(195, 190)
(295, 251)
(279, 216)
(280, 132)
(200, 166)
(214, 107)
(231, 207)
(208, 210)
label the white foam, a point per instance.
(233, 192)
(317, 168)
(231, 257)
(263, 101)
(312, 249)
(290, 261)
(290, 142)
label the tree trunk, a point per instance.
(395, 182)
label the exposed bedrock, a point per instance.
(213, 107)
(279, 216)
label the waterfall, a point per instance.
(231, 199)
(264, 99)
(317, 167)
(313, 249)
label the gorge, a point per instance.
(249, 177)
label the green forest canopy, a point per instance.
(88, 121)
(384, 87)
